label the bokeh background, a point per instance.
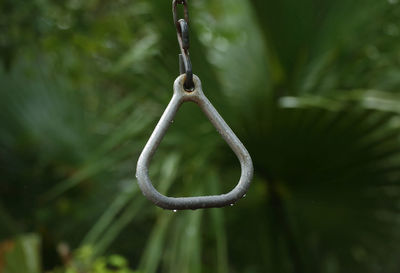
(311, 88)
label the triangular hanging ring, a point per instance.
(142, 170)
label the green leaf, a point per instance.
(24, 255)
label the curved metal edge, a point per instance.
(181, 203)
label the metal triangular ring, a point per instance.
(180, 96)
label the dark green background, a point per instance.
(311, 88)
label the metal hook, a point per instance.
(185, 65)
(142, 170)
(185, 10)
(182, 29)
(183, 32)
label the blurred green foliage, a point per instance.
(82, 261)
(310, 87)
(21, 255)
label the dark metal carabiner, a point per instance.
(182, 29)
(183, 32)
(184, 58)
(175, 12)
